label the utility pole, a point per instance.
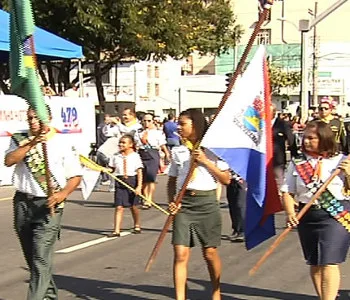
(315, 63)
(116, 82)
(304, 89)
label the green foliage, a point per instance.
(111, 30)
(141, 28)
(280, 78)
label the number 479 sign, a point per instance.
(69, 117)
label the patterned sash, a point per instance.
(35, 162)
(327, 201)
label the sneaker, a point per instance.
(107, 182)
(239, 238)
(233, 236)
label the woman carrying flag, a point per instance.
(198, 219)
(324, 229)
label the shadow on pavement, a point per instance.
(84, 288)
(245, 292)
(85, 230)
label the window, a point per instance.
(149, 71)
(156, 72)
(156, 89)
(264, 37)
(149, 89)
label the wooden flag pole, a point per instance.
(282, 236)
(193, 164)
(87, 162)
(43, 127)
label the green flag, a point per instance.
(23, 69)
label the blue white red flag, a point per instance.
(241, 134)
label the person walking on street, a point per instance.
(150, 140)
(282, 138)
(127, 166)
(198, 220)
(38, 228)
(236, 193)
(337, 125)
(102, 137)
(170, 131)
(324, 229)
(130, 123)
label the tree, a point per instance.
(110, 30)
(280, 78)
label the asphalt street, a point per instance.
(90, 266)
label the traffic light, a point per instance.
(228, 78)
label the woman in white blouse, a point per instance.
(198, 222)
(323, 230)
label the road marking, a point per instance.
(91, 243)
(5, 199)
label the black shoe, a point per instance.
(114, 234)
(238, 238)
(136, 230)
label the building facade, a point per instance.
(329, 51)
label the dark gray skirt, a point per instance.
(323, 239)
(198, 223)
(122, 195)
(151, 160)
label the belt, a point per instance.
(313, 206)
(197, 193)
(30, 197)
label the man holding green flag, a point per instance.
(23, 71)
(40, 191)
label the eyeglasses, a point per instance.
(323, 108)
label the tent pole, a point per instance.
(81, 87)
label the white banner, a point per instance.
(73, 118)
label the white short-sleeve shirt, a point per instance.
(295, 185)
(156, 138)
(63, 164)
(133, 163)
(132, 129)
(202, 179)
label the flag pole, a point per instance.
(193, 164)
(282, 236)
(43, 128)
(87, 162)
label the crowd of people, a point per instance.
(134, 148)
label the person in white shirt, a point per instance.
(324, 230)
(150, 141)
(37, 209)
(129, 124)
(127, 166)
(198, 219)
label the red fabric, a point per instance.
(272, 203)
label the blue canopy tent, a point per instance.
(47, 45)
